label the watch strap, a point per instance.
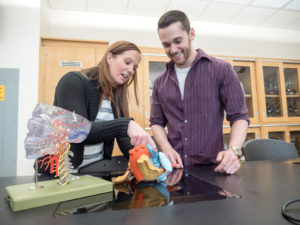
(237, 151)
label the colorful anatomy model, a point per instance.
(150, 194)
(51, 130)
(146, 164)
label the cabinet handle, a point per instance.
(146, 115)
(67, 63)
(264, 113)
(256, 113)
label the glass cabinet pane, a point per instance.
(156, 69)
(272, 91)
(292, 91)
(295, 138)
(243, 73)
(293, 105)
(277, 135)
(273, 107)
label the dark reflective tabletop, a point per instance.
(180, 187)
(264, 186)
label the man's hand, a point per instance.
(161, 138)
(174, 157)
(229, 162)
(174, 177)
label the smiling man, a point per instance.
(190, 98)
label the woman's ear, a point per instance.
(108, 58)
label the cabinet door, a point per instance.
(291, 86)
(58, 57)
(252, 133)
(153, 66)
(136, 110)
(59, 61)
(294, 135)
(277, 133)
(246, 74)
(271, 88)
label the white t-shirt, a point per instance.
(94, 153)
(181, 75)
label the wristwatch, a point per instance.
(237, 151)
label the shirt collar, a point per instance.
(200, 56)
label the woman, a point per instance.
(100, 94)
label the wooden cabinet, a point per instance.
(270, 82)
(246, 73)
(279, 87)
(59, 56)
(291, 74)
(252, 133)
(284, 133)
(153, 64)
(271, 91)
(275, 132)
(136, 111)
(294, 135)
(271, 87)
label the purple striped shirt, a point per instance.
(195, 125)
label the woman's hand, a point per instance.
(138, 135)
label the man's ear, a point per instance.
(192, 34)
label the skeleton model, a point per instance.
(50, 132)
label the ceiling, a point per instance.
(283, 14)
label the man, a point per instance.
(190, 98)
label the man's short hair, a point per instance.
(174, 16)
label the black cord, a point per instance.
(286, 215)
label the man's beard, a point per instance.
(185, 54)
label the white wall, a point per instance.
(214, 38)
(19, 48)
(22, 22)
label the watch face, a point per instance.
(237, 151)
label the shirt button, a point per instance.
(185, 121)
(186, 174)
(185, 156)
(185, 139)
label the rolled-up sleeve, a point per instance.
(232, 95)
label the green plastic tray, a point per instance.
(22, 196)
